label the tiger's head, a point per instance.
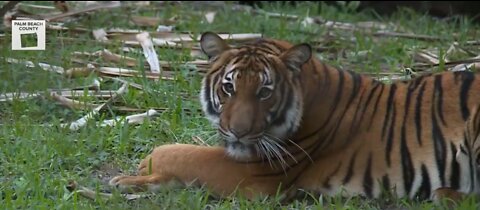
(252, 93)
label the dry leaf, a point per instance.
(100, 34)
(164, 28)
(210, 16)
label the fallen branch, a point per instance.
(83, 121)
(71, 103)
(44, 66)
(149, 52)
(7, 7)
(17, 96)
(150, 21)
(131, 119)
(90, 194)
(450, 63)
(109, 56)
(110, 71)
(164, 38)
(79, 93)
(408, 36)
(132, 84)
(109, 5)
(199, 141)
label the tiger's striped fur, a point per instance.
(290, 121)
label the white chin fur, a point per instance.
(239, 152)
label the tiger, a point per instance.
(288, 122)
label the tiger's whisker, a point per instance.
(265, 152)
(276, 152)
(279, 155)
(268, 150)
(292, 142)
(284, 150)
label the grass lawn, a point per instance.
(38, 157)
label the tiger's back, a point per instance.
(407, 136)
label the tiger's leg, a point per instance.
(202, 166)
(472, 135)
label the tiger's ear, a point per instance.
(297, 55)
(212, 45)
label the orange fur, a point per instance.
(356, 136)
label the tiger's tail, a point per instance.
(472, 133)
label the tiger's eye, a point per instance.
(228, 88)
(265, 93)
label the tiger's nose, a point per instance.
(239, 132)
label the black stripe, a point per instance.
(415, 83)
(332, 133)
(455, 174)
(390, 137)
(350, 168)
(338, 96)
(438, 91)
(206, 95)
(333, 106)
(425, 188)
(353, 93)
(439, 145)
(356, 79)
(265, 62)
(354, 124)
(389, 104)
(280, 114)
(367, 178)
(375, 108)
(418, 114)
(326, 78)
(369, 98)
(464, 91)
(462, 149)
(407, 165)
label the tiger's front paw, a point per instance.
(128, 183)
(153, 182)
(116, 181)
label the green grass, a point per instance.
(37, 157)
